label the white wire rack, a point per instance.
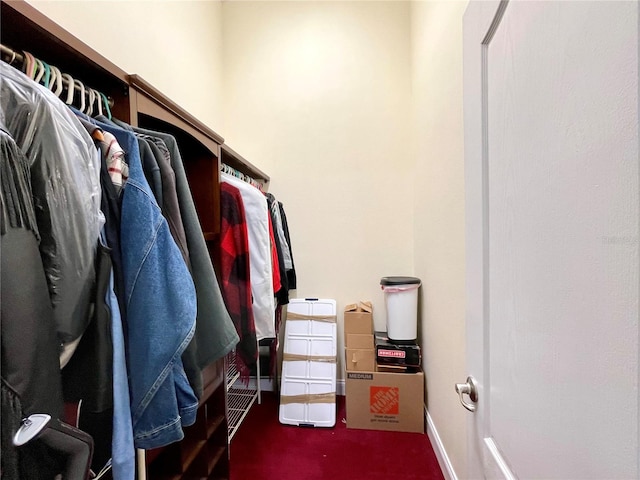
(240, 401)
(240, 397)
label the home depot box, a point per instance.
(358, 318)
(385, 401)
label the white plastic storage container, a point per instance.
(401, 301)
(308, 388)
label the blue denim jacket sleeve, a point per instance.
(161, 311)
(122, 450)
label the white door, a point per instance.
(552, 185)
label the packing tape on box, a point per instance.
(317, 318)
(293, 357)
(309, 398)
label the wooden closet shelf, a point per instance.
(214, 424)
(215, 456)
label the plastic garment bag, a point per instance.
(65, 184)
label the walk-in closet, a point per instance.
(312, 239)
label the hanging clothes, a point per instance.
(30, 366)
(151, 169)
(122, 443)
(282, 293)
(29, 347)
(9, 425)
(168, 201)
(114, 173)
(161, 311)
(64, 166)
(291, 274)
(274, 209)
(215, 332)
(235, 274)
(88, 375)
(98, 365)
(113, 156)
(275, 270)
(260, 255)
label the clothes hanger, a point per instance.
(47, 74)
(81, 86)
(98, 102)
(58, 81)
(53, 78)
(39, 72)
(28, 65)
(92, 98)
(13, 57)
(70, 88)
(106, 105)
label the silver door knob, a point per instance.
(471, 389)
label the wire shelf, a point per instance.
(239, 401)
(232, 369)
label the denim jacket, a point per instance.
(215, 333)
(161, 311)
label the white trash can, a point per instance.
(401, 301)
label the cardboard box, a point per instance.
(362, 341)
(360, 359)
(358, 318)
(385, 401)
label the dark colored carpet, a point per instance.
(262, 448)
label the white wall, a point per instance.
(439, 247)
(318, 94)
(147, 38)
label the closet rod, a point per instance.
(13, 56)
(242, 176)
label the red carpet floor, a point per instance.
(264, 449)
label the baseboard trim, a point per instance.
(438, 447)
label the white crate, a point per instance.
(305, 377)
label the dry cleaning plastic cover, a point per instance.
(65, 183)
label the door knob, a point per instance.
(471, 389)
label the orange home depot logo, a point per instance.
(385, 400)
